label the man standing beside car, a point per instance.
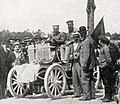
(106, 65)
(87, 62)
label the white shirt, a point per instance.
(75, 46)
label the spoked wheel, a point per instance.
(17, 89)
(55, 81)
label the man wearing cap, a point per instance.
(65, 48)
(105, 64)
(71, 29)
(56, 37)
(74, 57)
(87, 62)
(16, 57)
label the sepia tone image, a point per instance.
(59, 51)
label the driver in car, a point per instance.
(56, 38)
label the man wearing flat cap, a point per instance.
(74, 57)
(71, 29)
(65, 48)
(16, 57)
(105, 63)
(108, 56)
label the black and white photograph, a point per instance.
(60, 51)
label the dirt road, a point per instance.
(43, 99)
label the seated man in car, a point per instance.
(65, 48)
(56, 38)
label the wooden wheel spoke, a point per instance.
(38, 77)
(14, 83)
(58, 89)
(53, 89)
(21, 90)
(18, 89)
(51, 86)
(55, 72)
(14, 79)
(15, 75)
(58, 74)
(50, 80)
(15, 87)
(59, 86)
(52, 74)
(60, 77)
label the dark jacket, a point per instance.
(18, 61)
(104, 57)
(87, 53)
(3, 57)
(114, 52)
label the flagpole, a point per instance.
(90, 15)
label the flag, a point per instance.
(99, 30)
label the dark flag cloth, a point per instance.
(99, 30)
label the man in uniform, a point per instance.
(65, 48)
(56, 37)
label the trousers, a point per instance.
(3, 85)
(64, 51)
(76, 73)
(107, 77)
(88, 83)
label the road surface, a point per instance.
(43, 99)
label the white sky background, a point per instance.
(18, 15)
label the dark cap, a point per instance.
(104, 39)
(82, 29)
(69, 21)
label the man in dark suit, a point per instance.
(87, 63)
(4, 52)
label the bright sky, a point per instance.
(18, 15)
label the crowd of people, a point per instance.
(9, 57)
(78, 48)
